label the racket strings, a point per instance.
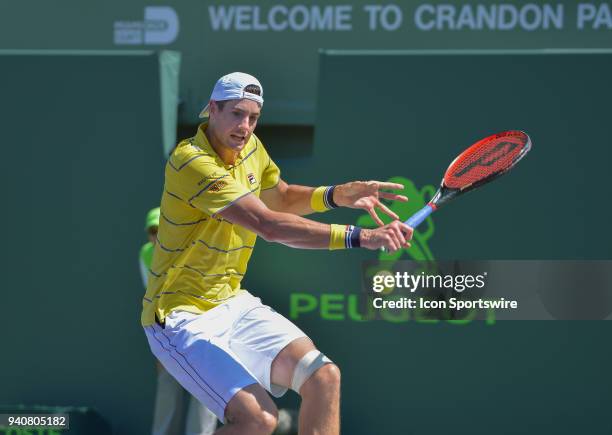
(490, 156)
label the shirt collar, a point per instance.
(202, 141)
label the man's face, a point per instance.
(234, 124)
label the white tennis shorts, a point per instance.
(215, 354)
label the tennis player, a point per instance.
(220, 342)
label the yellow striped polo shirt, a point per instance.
(200, 258)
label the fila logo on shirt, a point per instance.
(251, 178)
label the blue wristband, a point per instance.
(351, 239)
(328, 197)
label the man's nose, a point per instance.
(244, 122)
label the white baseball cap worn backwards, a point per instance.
(235, 86)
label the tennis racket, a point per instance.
(480, 164)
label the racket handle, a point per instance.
(419, 216)
(414, 220)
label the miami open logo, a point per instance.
(159, 27)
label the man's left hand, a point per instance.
(366, 195)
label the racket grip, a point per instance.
(419, 216)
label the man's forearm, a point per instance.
(289, 229)
(295, 199)
(295, 231)
(299, 232)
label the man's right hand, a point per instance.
(391, 237)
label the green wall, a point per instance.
(82, 139)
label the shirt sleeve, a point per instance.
(206, 186)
